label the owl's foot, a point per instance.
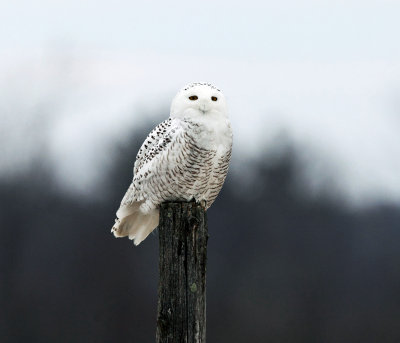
(202, 203)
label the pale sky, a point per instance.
(327, 73)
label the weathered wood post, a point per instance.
(181, 316)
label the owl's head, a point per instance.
(198, 100)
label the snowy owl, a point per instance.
(184, 158)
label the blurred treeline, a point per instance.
(282, 266)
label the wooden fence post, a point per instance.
(181, 316)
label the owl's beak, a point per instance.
(203, 107)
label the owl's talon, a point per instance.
(203, 204)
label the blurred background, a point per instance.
(304, 237)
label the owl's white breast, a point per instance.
(213, 132)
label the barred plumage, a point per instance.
(185, 157)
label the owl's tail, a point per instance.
(135, 224)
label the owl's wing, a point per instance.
(155, 156)
(138, 215)
(155, 143)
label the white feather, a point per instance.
(134, 223)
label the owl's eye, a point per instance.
(193, 97)
(214, 98)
